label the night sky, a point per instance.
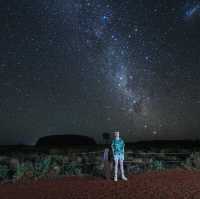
(93, 66)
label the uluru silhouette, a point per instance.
(65, 139)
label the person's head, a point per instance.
(116, 134)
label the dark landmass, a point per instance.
(88, 144)
(64, 140)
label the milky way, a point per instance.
(89, 66)
(192, 10)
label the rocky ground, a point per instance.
(170, 184)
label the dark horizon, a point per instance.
(88, 67)
(102, 141)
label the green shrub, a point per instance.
(42, 167)
(22, 169)
(156, 165)
(72, 168)
(4, 171)
(193, 161)
(57, 159)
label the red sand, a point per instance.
(171, 184)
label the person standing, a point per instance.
(118, 154)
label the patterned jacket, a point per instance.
(118, 146)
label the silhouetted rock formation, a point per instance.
(64, 140)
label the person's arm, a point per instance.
(123, 145)
(113, 147)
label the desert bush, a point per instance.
(72, 168)
(196, 159)
(4, 172)
(188, 164)
(57, 159)
(193, 161)
(13, 163)
(56, 168)
(79, 159)
(65, 159)
(156, 165)
(24, 170)
(42, 167)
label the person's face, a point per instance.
(116, 134)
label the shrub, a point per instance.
(57, 159)
(4, 172)
(156, 165)
(193, 161)
(24, 169)
(42, 167)
(72, 168)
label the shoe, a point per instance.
(115, 179)
(124, 178)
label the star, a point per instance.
(108, 118)
(130, 77)
(136, 29)
(104, 19)
(154, 132)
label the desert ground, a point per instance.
(170, 184)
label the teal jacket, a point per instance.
(118, 146)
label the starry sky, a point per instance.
(93, 66)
